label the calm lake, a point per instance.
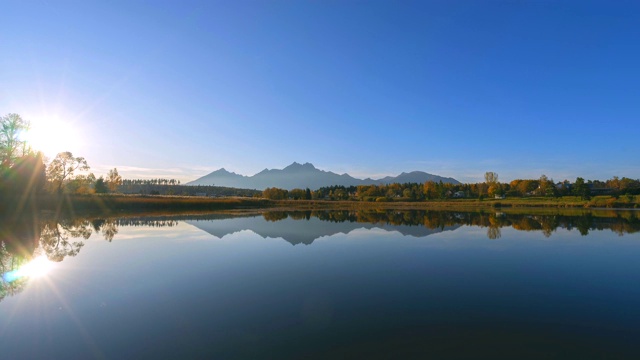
(341, 284)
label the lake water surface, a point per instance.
(387, 284)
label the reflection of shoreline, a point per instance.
(23, 238)
(58, 238)
(303, 227)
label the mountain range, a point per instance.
(307, 176)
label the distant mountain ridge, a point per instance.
(307, 176)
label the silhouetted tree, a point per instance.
(11, 147)
(100, 186)
(63, 167)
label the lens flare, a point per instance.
(36, 268)
(52, 135)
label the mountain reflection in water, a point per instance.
(63, 237)
(57, 238)
(355, 284)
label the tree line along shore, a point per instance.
(30, 182)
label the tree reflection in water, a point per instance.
(620, 222)
(493, 232)
(19, 243)
(27, 238)
(24, 239)
(10, 262)
(55, 238)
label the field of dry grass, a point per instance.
(115, 204)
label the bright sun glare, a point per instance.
(36, 268)
(52, 135)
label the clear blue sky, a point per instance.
(456, 88)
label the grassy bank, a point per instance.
(623, 202)
(115, 204)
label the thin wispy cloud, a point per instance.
(137, 172)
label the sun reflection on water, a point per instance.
(38, 267)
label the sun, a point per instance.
(52, 135)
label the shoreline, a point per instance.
(131, 204)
